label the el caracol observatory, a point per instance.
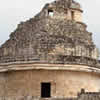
(51, 56)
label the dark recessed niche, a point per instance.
(50, 12)
(72, 14)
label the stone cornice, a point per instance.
(42, 66)
(77, 9)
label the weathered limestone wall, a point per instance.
(81, 96)
(67, 15)
(2, 84)
(78, 16)
(63, 83)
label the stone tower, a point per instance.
(50, 55)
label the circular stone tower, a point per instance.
(50, 55)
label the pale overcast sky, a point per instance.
(13, 12)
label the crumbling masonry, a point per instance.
(51, 56)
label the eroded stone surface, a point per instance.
(64, 83)
(52, 39)
(54, 47)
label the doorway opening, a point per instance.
(45, 90)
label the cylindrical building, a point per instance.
(50, 56)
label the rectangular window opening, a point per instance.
(45, 90)
(50, 12)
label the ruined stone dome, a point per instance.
(55, 35)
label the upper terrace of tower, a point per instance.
(63, 9)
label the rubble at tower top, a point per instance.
(62, 9)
